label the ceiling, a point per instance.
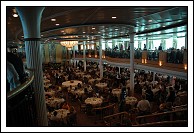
(93, 22)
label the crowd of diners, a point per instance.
(173, 55)
(152, 96)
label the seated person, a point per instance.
(65, 105)
(143, 106)
(54, 116)
(72, 117)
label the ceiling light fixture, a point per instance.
(114, 17)
(57, 24)
(53, 19)
(69, 44)
(15, 15)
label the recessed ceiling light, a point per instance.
(114, 17)
(53, 19)
(163, 26)
(15, 15)
(116, 29)
(93, 28)
(84, 32)
(150, 20)
(56, 24)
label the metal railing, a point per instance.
(20, 105)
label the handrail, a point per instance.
(117, 118)
(101, 108)
(120, 113)
(22, 87)
(163, 113)
(161, 123)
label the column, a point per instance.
(31, 29)
(154, 75)
(74, 56)
(119, 70)
(147, 43)
(132, 63)
(46, 50)
(84, 54)
(139, 44)
(100, 55)
(186, 41)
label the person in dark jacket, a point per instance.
(18, 65)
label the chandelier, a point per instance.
(69, 44)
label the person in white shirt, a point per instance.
(12, 76)
(143, 106)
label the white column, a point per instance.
(186, 41)
(32, 38)
(132, 63)
(147, 43)
(74, 64)
(154, 74)
(100, 55)
(84, 54)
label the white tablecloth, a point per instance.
(51, 93)
(54, 102)
(116, 92)
(155, 90)
(130, 100)
(101, 85)
(87, 76)
(80, 92)
(61, 114)
(68, 83)
(94, 101)
(92, 80)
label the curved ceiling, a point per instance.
(93, 22)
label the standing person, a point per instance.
(122, 104)
(160, 47)
(12, 76)
(149, 94)
(65, 106)
(144, 48)
(18, 65)
(171, 95)
(143, 106)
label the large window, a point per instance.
(169, 43)
(180, 42)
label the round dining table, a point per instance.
(131, 100)
(94, 101)
(72, 83)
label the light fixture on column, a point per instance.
(160, 63)
(185, 66)
(69, 44)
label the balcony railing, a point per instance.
(20, 106)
